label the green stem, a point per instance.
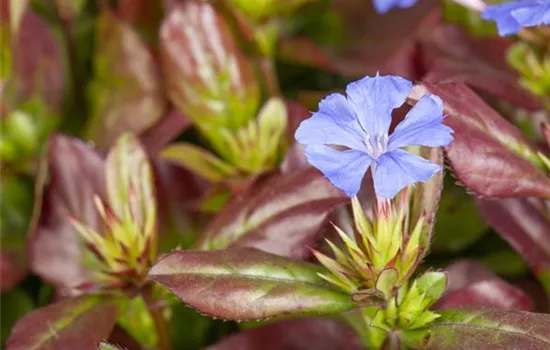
(164, 341)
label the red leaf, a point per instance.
(167, 129)
(488, 155)
(38, 64)
(283, 216)
(54, 247)
(126, 91)
(246, 283)
(78, 323)
(524, 224)
(451, 55)
(13, 268)
(311, 333)
(471, 284)
(207, 77)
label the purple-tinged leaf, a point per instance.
(488, 155)
(283, 216)
(207, 78)
(246, 283)
(524, 224)
(295, 158)
(78, 323)
(177, 193)
(38, 64)
(144, 14)
(168, 128)
(305, 334)
(490, 329)
(371, 42)
(122, 339)
(13, 267)
(471, 284)
(450, 54)
(126, 91)
(54, 247)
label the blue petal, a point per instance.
(397, 169)
(344, 169)
(373, 100)
(533, 15)
(335, 123)
(502, 14)
(422, 126)
(383, 6)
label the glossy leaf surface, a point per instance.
(272, 218)
(78, 323)
(487, 329)
(246, 283)
(488, 155)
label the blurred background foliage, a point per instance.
(220, 94)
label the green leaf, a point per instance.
(432, 284)
(125, 94)
(129, 184)
(387, 281)
(199, 161)
(137, 321)
(459, 223)
(484, 329)
(78, 323)
(15, 304)
(106, 346)
(259, 10)
(245, 283)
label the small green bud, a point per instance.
(128, 246)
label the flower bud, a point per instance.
(127, 247)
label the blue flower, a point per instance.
(383, 6)
(349, 134)
(512, 16)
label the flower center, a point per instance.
(376, 144)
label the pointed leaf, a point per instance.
(167, 129)
(126, 91)
(471, 284)
(432, 284)
(310, 333)
(450, 54)
(246, 283)
(78, 323)
(76, 174)
(38, 64)
(107, 346)
(272, 217)
(208, 78)
(199, 161)
(425, 196)
(129, 183)
(524, 224)
(489, 155)
(486, 329)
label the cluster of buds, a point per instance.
(127, 246)
(387, 242)
(376, 265)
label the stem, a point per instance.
(155, 310)
(270, 76)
